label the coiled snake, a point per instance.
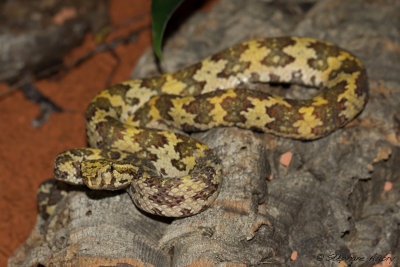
(171, 174)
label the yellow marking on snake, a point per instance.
(309, 121)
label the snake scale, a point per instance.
(170, 174)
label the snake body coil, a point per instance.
(171, 174)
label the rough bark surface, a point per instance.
(40, 28)
(336, 201)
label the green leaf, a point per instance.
(161, 11)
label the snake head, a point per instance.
(107, 174)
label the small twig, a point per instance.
(32, 93)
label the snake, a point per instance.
(139, 130)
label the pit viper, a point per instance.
(130, 125)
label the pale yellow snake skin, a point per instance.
(171, 174)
